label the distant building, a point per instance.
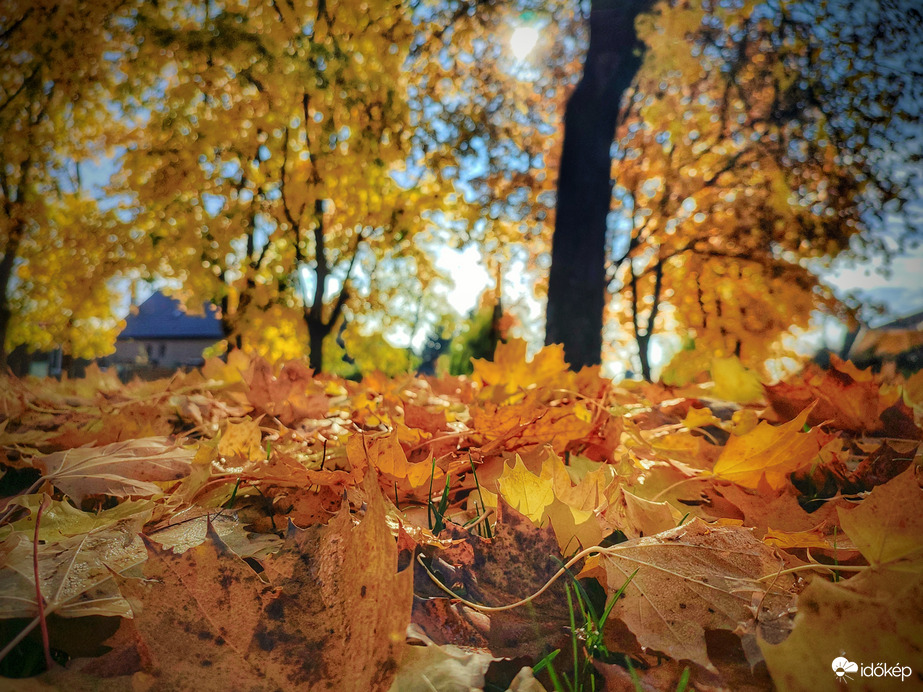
(160, 336)
(895, 345)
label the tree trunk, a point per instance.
(577, 281)
(317, 331)
(6, 276)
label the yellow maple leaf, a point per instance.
(525, 492)
(550, 497)
(734, 382)
(888, 524)
(770, 452)
(242, 439)
(512, 371)
(385, 453)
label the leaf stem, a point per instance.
(40, 600)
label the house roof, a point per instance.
(891, 339)
(162, 317)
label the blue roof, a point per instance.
(162, 317)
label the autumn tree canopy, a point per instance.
(301, 165)
(56, 116)
(758, 142)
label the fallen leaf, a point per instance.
(888, 524)
(734, 382)
(768, 452)
(188, 532)
(62, 520)
(122, 469)
(789, 540)
(442, 668)
(210, 628)
(636, 517)
(76, 573)
(243, 440)
(385, 453)
(525, 492)
(511, 371)
(339, 620)
(873, 618)
(514, 564)
(695, 578)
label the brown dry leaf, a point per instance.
(529, 422)
(770, 452)
(888, 524)
(872, 618)
(76, 573)
(340, 618)
(292, 396)
(121, 469)
(695, 578)
(781, 512)
(514, 564)
(193, 612)
(848, 398)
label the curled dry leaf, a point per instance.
(695, 578)
(121, 469)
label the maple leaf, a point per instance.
(734, 382)
(525, 492)
(340, 617)
(695, 578)
(635, 516)
(61, 520)
(550, 497)
(242, 439)
(384, 453)
(291, 396)
(334, 616)
(846, 398)
(528, 422)
(782, 512)
(888, 524)
(872, 618)
(209, 628)
(511, 371)
(120, 469)
(768, 452)
(186, 532)
(76, 573)
(518, 559)
(446, 667)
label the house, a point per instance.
(161, 337)
(895, 345)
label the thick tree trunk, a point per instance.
(6, 282)
(577, 281)
(317, 332)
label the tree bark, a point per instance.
(577, 280)
(6, 275)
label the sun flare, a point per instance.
(523, 40)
